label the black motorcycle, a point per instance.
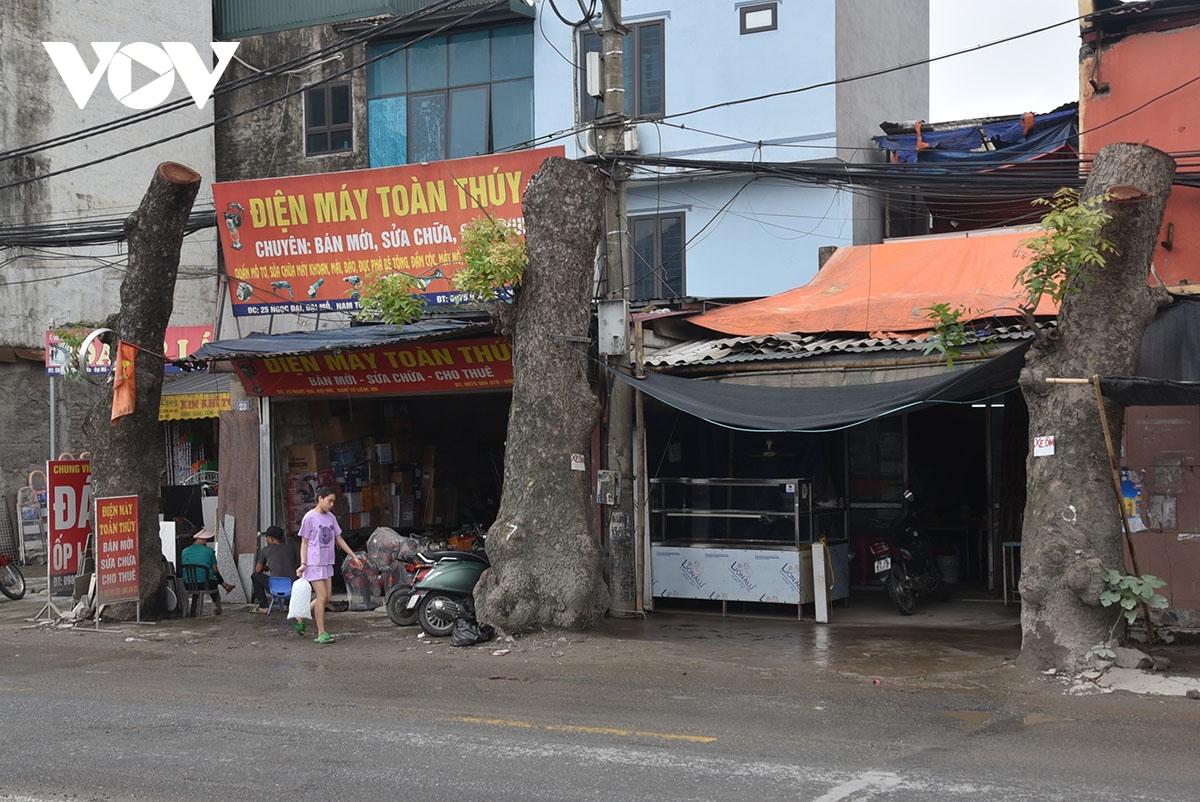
(905, 563)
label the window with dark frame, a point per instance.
(645, 84)
(448, 97)
(328, 122)
(759, 17)
(657, 246)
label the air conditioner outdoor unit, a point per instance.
(629, 143)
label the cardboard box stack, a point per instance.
(385, 481)
(302, 495)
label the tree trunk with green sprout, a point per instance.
(547, 562)
(1072, 528)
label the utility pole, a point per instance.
(619, 521)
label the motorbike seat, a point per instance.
(466, 556)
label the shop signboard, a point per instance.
(194, 406)
(309, 243)
(116, 520)
(178, 343)
(472, 365)
(69, 490)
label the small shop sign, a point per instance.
(1043, 445)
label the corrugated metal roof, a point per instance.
(259, 345)
(784, 347)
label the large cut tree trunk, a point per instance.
(547, 566)
(127, 456)
(1072, 529)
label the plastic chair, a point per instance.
(280, 588)
(196, 579)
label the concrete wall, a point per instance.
(83, 284)
(1140, 69)
(875, 35)
(269, 141)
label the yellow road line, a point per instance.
(500, 722)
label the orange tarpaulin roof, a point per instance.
(888, 288)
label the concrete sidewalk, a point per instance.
(953, 643)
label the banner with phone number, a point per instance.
(309, 243)
(69, 503)
(117, 573)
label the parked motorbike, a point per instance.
(438, 597)
(12, 581)
(396, 601)
(905, 563)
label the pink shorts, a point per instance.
(314, 572)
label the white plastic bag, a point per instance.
(301, 602)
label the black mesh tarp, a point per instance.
(807, 409)
(1168, 366)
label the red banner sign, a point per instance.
(419, 368)
(308, 243)
(69, 502)
(178, 343)
(116, 549)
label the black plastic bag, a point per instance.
(468, 632)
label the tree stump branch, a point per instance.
(125, 454)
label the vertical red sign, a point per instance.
(116, 521)
(69, 499)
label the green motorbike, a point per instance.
(439, 596)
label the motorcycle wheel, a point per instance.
(436, 614)
(397, 607)
(12, 581)
(904, 597)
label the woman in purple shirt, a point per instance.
(320, 535)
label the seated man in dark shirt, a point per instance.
(277, 559)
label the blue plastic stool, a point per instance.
(280, 588)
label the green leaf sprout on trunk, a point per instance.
(493, 264)
(1060, 260)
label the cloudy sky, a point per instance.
(1035, 73)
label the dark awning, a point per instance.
(810, 409)
(1168, 366)
(259, 345)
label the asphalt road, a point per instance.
(679, 708)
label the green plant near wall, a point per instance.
(1061, 259)
(494, 261)
(1128, 592)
